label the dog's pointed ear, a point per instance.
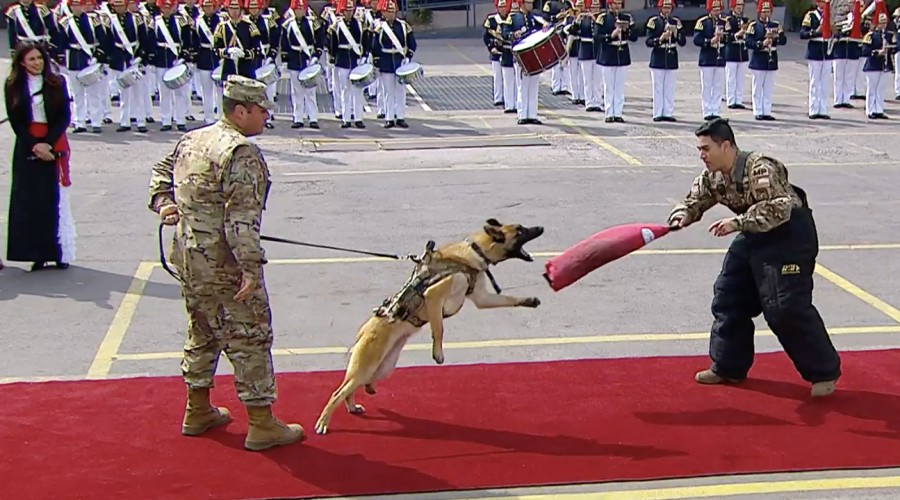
(494, 232)
(493, 222)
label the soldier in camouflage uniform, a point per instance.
(214, 187)
(769, 266)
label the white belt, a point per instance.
(668, 45)
(586, 39)
(392, 51)
(817, 39)
(619, 42)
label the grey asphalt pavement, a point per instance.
(393, 190)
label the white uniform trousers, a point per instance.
(304, 103)
(818, 87)
(663, 81)
(510, 88)
(149, 84)
(529, 96)
(557, 84)
(614, 89)
(497, 71)
(712, 84)
(394, 96)
(112, 88)
(518, 85)
(734, 81)
(380, 104)
(87, 102)
(845, 73)
(172, 102)
(211, 102)
(763, 89)
(859, 82)
(352, 99)
(875, 91)
(576, 81)
(592, 80)
(335, 88)
(897, 74)
(131, 101)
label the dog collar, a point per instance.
(487, 264)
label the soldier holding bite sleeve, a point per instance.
(769, 266)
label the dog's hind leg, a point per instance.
(387, 365)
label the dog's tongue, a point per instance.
(525, 255)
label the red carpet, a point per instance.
(452, 428)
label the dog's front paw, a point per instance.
(438, 357)
(321, 427)
(530, 302)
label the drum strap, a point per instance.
(76, 30)
(234, 35)
(300, 38)
(349, 36)
(201, 23)
(163, 26)
(387, 28)
(120, 32)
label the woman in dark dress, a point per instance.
(41, 228)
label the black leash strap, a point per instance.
(363, 252)
(162, 254)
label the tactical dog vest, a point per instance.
(405, 304)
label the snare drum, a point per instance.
(539, 51)
(268, 73)
(129, 77)
(216, 75)
(362, 75)
(409, 73)
(178, 76)
(91, 75)
(310, 76)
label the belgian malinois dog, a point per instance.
(437, 289)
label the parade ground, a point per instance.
(594, 387)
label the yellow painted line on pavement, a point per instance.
(717, 490)
(106, 353)
(521, 342)
(891, 311)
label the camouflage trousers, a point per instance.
(217, 323)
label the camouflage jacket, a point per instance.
(219, 181)
(762, 198)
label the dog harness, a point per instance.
(405, 304)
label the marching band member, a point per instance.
(27, 20)
(582, 29)
(206, 59)
(764, 36)
(877, 45)
(393, 46)
(190, 12)
(845, 61)
(507, 61)
(573, 45)
(529, 85)
(736, 55)
(81, 36)
(167, 38)
(101, 20)
(709, 35)
(372, 18)
(494, 44)
(268, 43)
(664, 35)
(237, 41)
(125, 45)
(817, 60)
(329, 17)
(146, 86)
(615, 29)
(349, 47)
(302, 41)
(553, 13)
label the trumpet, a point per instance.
(772, 36)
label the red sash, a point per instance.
(39, 130)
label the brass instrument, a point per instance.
(888, 47)
(772, 34)
(719, 32)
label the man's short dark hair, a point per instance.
(229, 104)
(717, 129)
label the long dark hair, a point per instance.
(55, 97)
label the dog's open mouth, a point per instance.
(527, 235)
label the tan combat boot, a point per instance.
(710, 377)
(822, 389)
(267, 431)
(200, 415)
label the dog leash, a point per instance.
(429, 247)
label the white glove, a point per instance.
(267, 61)
(361, 61)
(314, 60)
(235, 53)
